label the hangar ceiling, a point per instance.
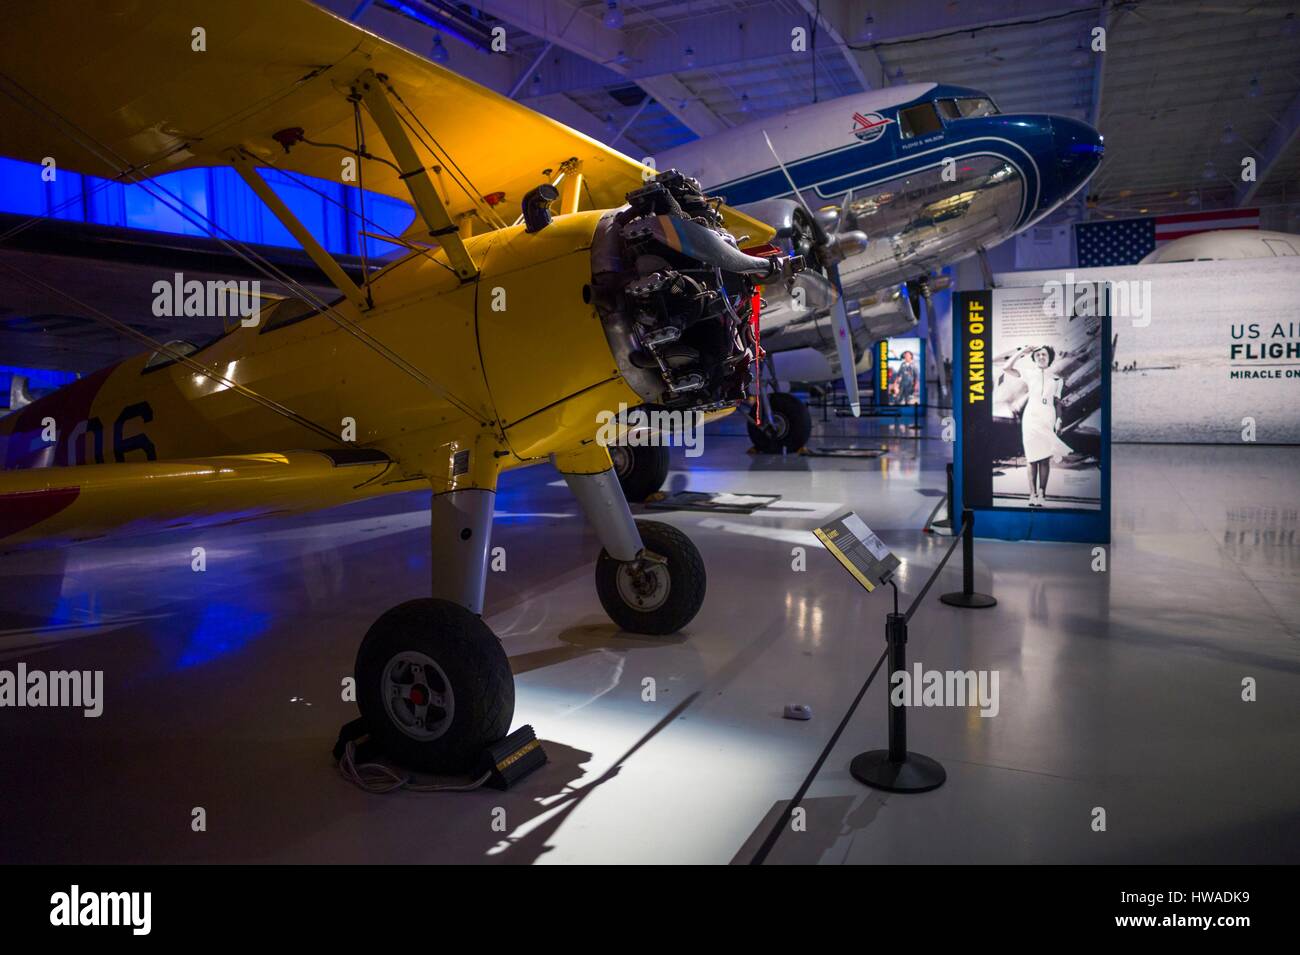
(1185, 90)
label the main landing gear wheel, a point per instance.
(640, 471)
(788, 427)
(434, 685)
(659, 593)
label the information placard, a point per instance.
(858, 549)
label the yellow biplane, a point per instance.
(548, 279)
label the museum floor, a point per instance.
(1119, 690)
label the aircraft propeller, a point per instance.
(830, 264)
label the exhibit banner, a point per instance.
(1033, 373)
(900, 375)
(1203, 352)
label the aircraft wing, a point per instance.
(73, 73)
(100, 500)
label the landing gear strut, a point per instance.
(433, 682)
(649, 577)
(787, 426)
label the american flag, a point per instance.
(1128, 241)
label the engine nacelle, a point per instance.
(676, 295)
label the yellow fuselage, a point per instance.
(519, 357)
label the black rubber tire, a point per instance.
(645, 473)
(797, 428)
(476, 666)
(687, 583)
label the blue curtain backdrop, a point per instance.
(216, 193)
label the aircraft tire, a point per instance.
(788, 430)
(640, 471)
(656, 597)
(434, 685)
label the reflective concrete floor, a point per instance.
(1118, 690)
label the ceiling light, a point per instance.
(613, 15)
(439, 54)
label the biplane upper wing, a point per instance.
(119, 85)
(98, 500)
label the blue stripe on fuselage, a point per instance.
(1019, 140)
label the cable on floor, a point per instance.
(380, 779)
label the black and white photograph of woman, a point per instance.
(1040, 415)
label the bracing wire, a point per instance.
(178, 205)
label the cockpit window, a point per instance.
(948, 108)
(161, 359)
(973, 106)
(919, 120)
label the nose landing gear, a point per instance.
(787, 427)
(658, 592)
(641, 470)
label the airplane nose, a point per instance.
(1078, 147)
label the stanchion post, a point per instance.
(896, 637)
(967, 597)
(895, 769)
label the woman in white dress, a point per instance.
(1041, 417)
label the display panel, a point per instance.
(1033, 435)
(1203, 352)
(900, 381)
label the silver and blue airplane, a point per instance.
(879, 190)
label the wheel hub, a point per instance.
(644, 584)
(417, 695)
(621, 458)
(777, 425)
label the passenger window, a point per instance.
(919, 121)
(948, 108)
(976, 106)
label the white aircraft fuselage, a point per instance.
(930, 173)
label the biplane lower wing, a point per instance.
(102, 500)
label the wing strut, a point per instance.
(244, 165)
(423, 193)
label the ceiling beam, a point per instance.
(926, 18)
(1275, 147)
(1106, 20)
(572, 28)
(831, 19)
